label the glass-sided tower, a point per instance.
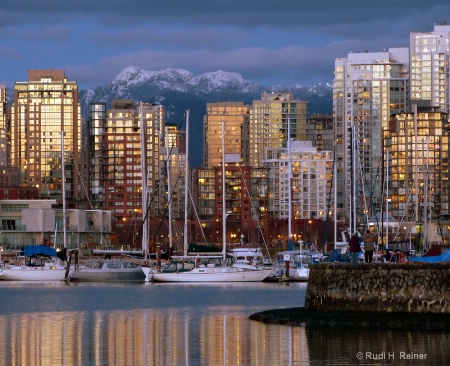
(44, 106)
(368, 88)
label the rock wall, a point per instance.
(383, 287)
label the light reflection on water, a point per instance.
(178, 324)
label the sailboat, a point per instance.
(209, 268)
(39, 262)
(107, 271)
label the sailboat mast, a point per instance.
(56, 232)
(186, 187)
(289, 185)
(144, 181)
(63, 190)
(169, 186)
(335, 196)
(354, 176)
(387, 199)
(425, 199)
(224, 197)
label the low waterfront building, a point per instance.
(34, 222)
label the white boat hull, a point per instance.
(218, 274)
(148, 272)
(19, 273)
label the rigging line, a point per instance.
(155, 193)
(400, 224)
(327, 216)
(177, 229)
(363, 183)
(255, 213)
(437, 214)
(165, 209)
(383, 193)
(423, 206)
(82, 183)
(426, 190)
(372, 190)
(89, 200)
(131, 230)
(198, 218)
(438, 217)
(440, 226)
(177, 236)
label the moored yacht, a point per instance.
(38, 263)
(107, 271)
(208, 268)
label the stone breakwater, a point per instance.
(354, 319)
(379, 287)
(381, 295)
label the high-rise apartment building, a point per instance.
(115, 161)
(417, 170)
(320, 131)
(235, 116)
(245, 202)
(304, 192)
(368, 87)
(269, 121)
(430, 92)
(97, 154)
(430, 54)
(172, 161)
(44, 107)
(3, 126)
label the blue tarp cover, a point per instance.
(444, 257)
(39, 249)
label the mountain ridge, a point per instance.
(179, 90)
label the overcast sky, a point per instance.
(268, 42)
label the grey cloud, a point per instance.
(287, 13)
(269, 42)
(287, 65)
(197, 36)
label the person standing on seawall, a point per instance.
(355, 248)
(368, 240)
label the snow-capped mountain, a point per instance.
(165, 79)
(180, 80)
(219, 80)
(150, 86)
(179, 90)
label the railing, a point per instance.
(92, 228)
(13, 227)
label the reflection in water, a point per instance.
(151, 324)
(377, 347)
(41, 339)
(232, 340)
(147, 337)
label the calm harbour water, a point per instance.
(185, 324)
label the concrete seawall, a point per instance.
(379, 287)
